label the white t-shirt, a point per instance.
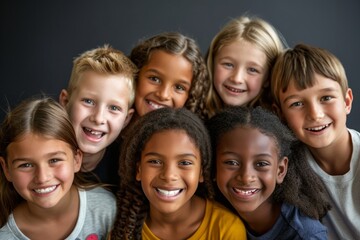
(343, 220)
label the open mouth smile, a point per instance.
(92, 133)
(45, 190)
(154, 105)
(318, 129)
(235, 90)
(169, 193)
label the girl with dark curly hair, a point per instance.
(262, 174)
(166, 190)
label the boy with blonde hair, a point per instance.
(311, 94)
(99, 101)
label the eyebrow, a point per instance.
(256, 155)
(324, 90)
(48, 155)
(178, 156)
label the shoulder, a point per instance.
(219, 216)
(100, 194)
(10, 231)
(355, 137)
(304, 226)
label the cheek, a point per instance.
(180, 100)
(219, 76)
(222, 179)
(256, 84)
(66, 173)
(143, 87)
(77, 113)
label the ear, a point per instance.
(78, 156)
(201, 177)
(282, 170)
(128, 117)
(138, 171)
(5, 169)
(277, 110)
(63, 98)
(348, 100)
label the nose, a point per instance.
(98, 115)
(237, 75)
(164, 92)
(168, 173)
(315, 111)
(246, 175)
(43, 174)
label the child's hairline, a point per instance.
(283, 86)
(130, 83)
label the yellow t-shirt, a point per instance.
(218, 223)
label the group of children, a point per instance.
(250, 144)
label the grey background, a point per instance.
(39, 39)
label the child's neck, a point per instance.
(179, 225)
(335, 159)
(262, 219)
(90, 161)
(40, 223)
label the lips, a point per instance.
(235, 90)
(154, 105)
(93, 133)
(45, 190)
(319, 128)
(247, 192)
(169, 193)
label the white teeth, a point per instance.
(235, 89)
(95, 133)
(318, 128)
(168, 193)
(248, 192)
(156, 106)
(45, 190)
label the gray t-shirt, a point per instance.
(343, 220)
(96, 217)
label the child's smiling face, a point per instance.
(41, 169)
(169, 171)
(248, 169)
(317, 114)
(165, 81)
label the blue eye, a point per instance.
(228, 65)
(88, 101)
(115, 108)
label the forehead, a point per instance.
(242, 50)
(32, 145)
(247, 139)
(171, 142)
(317, 84)
(110, 85)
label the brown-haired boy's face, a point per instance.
(98, 109)
(317, 115)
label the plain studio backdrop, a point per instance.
(40, 39)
